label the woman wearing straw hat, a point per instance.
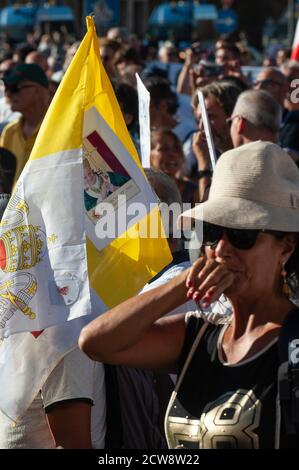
(226, 394)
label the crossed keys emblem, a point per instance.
(22, 246)
(15, 294)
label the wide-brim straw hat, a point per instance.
(255, 186)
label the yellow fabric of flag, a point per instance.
(119, 270)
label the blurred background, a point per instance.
(222, 47)
(260, 22)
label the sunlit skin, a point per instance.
(166, 156)
(255, 273)
(253, 285)
(235, 135)
(31, 100)
(252, 281)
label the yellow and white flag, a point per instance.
(76, 194)
(70, 244)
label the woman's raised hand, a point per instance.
(207, 280)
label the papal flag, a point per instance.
(74, 238)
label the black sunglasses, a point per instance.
(241, 239)
(12, 88)
(267, 82)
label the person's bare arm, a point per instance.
(69, 423)
(134, 334)
(183, 83)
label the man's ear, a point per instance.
(241, 125)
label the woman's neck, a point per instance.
(254, 326)
(258, 316)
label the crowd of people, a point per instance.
(212, 327)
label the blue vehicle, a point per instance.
(17, 20)
(183, 21)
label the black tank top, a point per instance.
(222, 406)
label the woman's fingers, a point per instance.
(199, 271)
(213, 277)
(214, 292)
(196, 267)
(207, 279)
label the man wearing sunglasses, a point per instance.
(278, 85)
(273, 81)
(256, 116)
(26, 90)
(227, 394)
